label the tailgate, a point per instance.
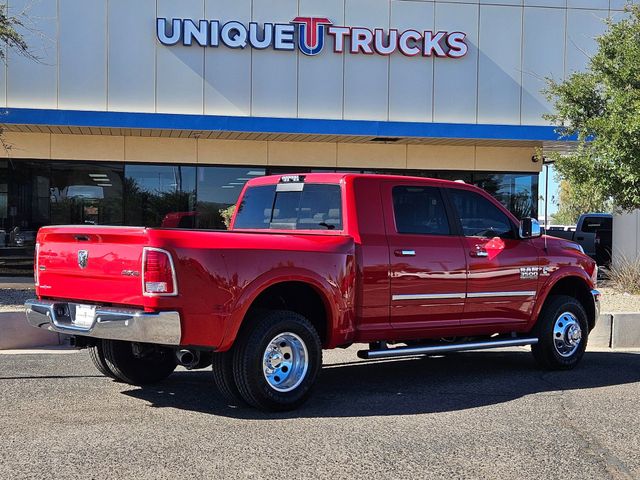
(97, 264)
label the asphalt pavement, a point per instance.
(473, 415)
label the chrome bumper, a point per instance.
(109, 323)
(596, 303)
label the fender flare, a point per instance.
(545, 290)
(256, 287)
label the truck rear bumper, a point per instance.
(105, 322)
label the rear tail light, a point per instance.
(158, 273)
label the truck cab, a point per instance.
(403, 265)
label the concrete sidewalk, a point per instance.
(17, 282)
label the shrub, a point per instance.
(624, 274)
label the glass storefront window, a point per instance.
(24, 207)
(218, 190)
(160, 195)
(86, 193)
(37, 193)
(517, 192)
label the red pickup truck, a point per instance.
(407, 265)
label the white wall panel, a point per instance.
(542, 56)
(274, 73)
(180, 69)
(366, 77)
(593, 4)
(320, 78)
(411, 78)
(132, 55)
(82, 68)
(620, 4)
(455, 80)
(583, 26)
(499, 67)
(616, 15)
(546, 3)
(34, 84)
(227, 72)
(501, 2)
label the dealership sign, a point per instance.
(309, 35)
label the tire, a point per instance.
(96, 353)
(294, 362)
(138, 364)
(222, 370)
(562, 332)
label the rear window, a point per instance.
(307, 206)
(593, 224)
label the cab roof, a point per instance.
(332, 177)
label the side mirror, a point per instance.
(529, 228)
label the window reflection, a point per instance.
(157, 195)
(34, 193)
(86, 194)
(218, 191)
(517, 192)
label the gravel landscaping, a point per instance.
(617, 302)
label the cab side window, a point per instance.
(478, 216)
(420, 210)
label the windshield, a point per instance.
(307, 206)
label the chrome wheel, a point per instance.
(285, 362)
(567, 334)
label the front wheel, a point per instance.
(277, 361)
(562, 333)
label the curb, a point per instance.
(616, 330)
(16, 333)
(625, 331)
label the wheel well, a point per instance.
(298, 297)
(577, 288)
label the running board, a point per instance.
(435, 349)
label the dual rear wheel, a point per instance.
(133, 363)
(273, 365)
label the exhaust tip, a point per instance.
(187, 358)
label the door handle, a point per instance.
(479, 251)
(405, 253)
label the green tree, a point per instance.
(9, 35)
(601, 107)
(575, 199)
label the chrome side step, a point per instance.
(454, 347)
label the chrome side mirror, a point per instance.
(529, 228)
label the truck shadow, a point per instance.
(408, 386)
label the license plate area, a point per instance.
(84, 316)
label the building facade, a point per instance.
(137, 110)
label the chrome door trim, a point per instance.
(528, 293)
(428, 296)
(444, 296)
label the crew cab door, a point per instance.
(502, 276)
(427, 261)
